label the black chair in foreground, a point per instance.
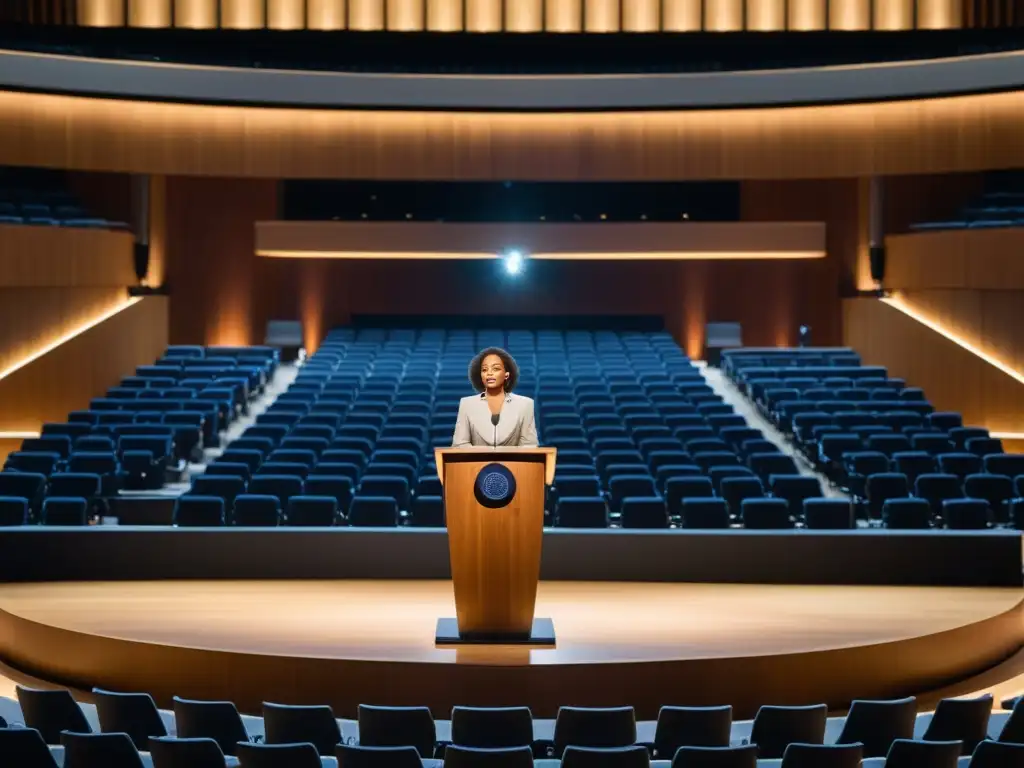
(25, 748)
(89, 750)
(278, 756)
(775, 728)
(690, 727)
(997, 754)
(185, 753)
(908, 753)
(823, 756)
(492, 727)
(964, 720)
(51, 712)
(397, 727)
(287, 724)
(608, 757)
(351, 756)
(456, 756)
(217, 720)
(877, 724)
(716, 757)
(132, 713)
(600, 727)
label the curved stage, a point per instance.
(346, 642)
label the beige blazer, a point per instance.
(515, 428)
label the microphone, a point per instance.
(495, 418)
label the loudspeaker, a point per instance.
(141, 255)
(877, 256)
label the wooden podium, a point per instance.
(494, 502)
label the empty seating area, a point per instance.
(138, 437)
(905, 464)
(127, 730)
(39, 198)
(1000, 205)
(643, 441)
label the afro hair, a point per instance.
(507, 360)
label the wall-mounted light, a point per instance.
(896, 302)
(514, 261)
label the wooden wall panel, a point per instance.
(149, 13)
(196, 14)
(954, 379)
(850, 15)
(934, 136)
(766, 15)
(914, 199)
(31, 317)
(66, 378)
(641, 15)
(444, 15)
(326, 14)
(697, 240)
(238, 292)
(7, 445)
(990, 320)
(211, 258)
(807, 15)
(62, 256)
(987, 259)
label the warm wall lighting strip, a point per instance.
(453, 255)
(18, 435)
(553, 256)
(679, 255)
(897, 303)
(68, 336)
(1007, 435)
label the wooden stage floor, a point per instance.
(346, 642)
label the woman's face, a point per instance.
(493, 373)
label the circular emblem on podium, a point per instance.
(495, 486)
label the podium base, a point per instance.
(543, 633)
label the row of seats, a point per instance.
(904, 468)
(873, 726)
(29, 197)
(137, 438)
(1000, 205)
(638, 431)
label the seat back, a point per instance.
(397, 727)
(594, 727)
(288, 755)
(184, 752)
(492, 727)
(132, 713)
(288, 724)
(50, 712)
(111, 750)
(691, 727)
(776, 727)
(877, 724)
(216, 720)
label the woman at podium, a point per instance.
(495, 416)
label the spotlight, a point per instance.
(514, 262)
(805, 336)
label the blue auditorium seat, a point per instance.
(966, 514)
(63, 510)
(283, 487)
(704, 512)
(13, 511)
(936, 488)
(33, 462)
(679, 488)
(766, 513)
(226, 488)
(795, 489)
(581, 512)
(735, 489)
(643, 512)
(767, 464)
(199, 511)
(428, 511)
(256, 510)
(906, 513)
(386, 485)
(373, 511)
(996, 490)
(834, 514)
